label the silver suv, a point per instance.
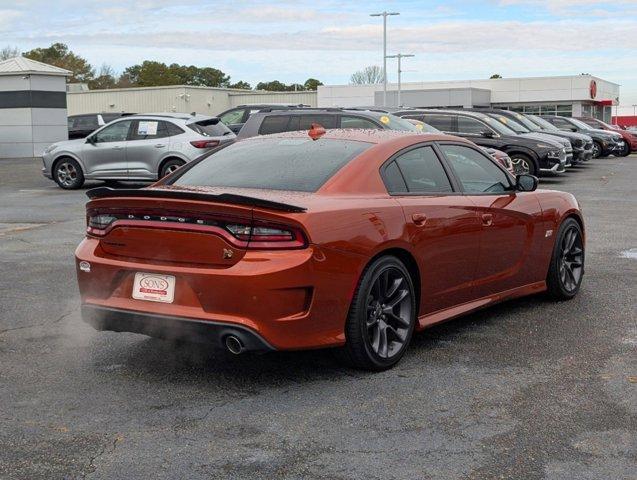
(140, 147)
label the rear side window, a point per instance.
(443, 123)
(274, 124)
(150, 129)
(296, 164)
(209, 128)
(423, 172)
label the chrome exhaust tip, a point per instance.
(234, 344)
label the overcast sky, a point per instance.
(329, 40)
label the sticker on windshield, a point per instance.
(384, 119)
(147, 128)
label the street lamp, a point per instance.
(384, 15)
(399, 56)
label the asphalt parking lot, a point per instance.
(529, 389)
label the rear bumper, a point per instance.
(171, 328)
(293, 299)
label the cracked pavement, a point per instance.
(529, 389)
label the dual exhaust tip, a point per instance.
(234, 344)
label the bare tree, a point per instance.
(368, 75)
(9, 52)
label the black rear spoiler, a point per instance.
(105, 192)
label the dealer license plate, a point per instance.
(154, 287)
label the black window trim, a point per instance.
(430, 143)
(461, 189)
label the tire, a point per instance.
(68, 174)
(377, 337)
(597, 149)
(626, 151)
(170, 166)
(566, 269)
(523, 164)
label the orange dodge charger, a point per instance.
(345, 238)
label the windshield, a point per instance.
(396, 123)
(543, 124)
(297, 164)
(579, 123)
(422, 126)
(513, 125)
(497, 126)
(521, 119)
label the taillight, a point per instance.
(204, 143)
(259, 235)
(264, 236)
(97, 224)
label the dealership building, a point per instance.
(576, 95)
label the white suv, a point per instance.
(138, 147)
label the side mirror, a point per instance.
(487, 134)
(526, 183)
(90, 139)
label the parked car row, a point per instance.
(147, 147)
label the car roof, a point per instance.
(325, 111)
(361, 135)
(469, 113)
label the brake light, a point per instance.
(268, 236)
(204, 143)
(316, 131)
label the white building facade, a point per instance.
(566, 95)
(32, 107)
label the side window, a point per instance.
(149, 130)
(274, 124)
(115, 132)
(327, 121)
(232, 116)
(441, 122)
(86, 122)
(71, 122)
(173, 129)
(471, 126)
(423, 172)
(393, 179)
(357, 122)
(476, 172)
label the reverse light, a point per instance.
(205, 143)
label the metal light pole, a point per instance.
(399, 56)
(384, 15)
(634, 112)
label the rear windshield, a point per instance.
(210, 128)
(398, 123)
(297, 164)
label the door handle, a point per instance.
(160, 145)
(419, 219)
(487, 219)
(118, 148)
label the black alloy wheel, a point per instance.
(382, 316)
(567, 265)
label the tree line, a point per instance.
(147, 74)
